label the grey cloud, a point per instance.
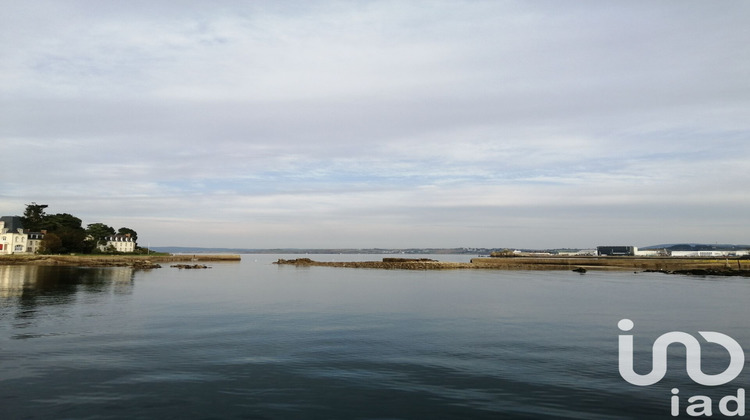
(381, 114)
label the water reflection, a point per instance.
(28, 290)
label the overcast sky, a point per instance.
(264, 124)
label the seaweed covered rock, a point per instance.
(189, 266)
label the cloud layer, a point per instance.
(381, 124)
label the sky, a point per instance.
(393, 124)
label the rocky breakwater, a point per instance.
(386, 263)
(691, 266)
(661, 264)
(705, 272)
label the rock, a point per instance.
(712, 272)
(145, 265)
(298, 261)
(189, 267)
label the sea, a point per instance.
(256, 340)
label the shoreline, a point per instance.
(134, 261)
(664, 264)
(669, 265)
(698, 266)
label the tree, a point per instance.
(73, 240)
(95, 234)
(65, 232)
(124, 231)
(34, 216)
(51, 244)
(99, 231)
(68, 228)
(110, 249)
(62, 220)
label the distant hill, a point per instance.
(698, 247)
(452, 251)
(199, 250)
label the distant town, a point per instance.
(666, 250)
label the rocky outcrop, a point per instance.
(189, 266)
(144, 265)
(704, 272)
(578, 265)
(386, 263)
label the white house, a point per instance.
(13, 242)
(121, 243)
(13, 239)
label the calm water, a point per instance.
(254, 340)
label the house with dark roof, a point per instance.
(34, 241)
(12, 223)
(13, 239)
(120, 243)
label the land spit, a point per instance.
(135, 261)
(387, 263)
(700, 266)
(662, 264)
